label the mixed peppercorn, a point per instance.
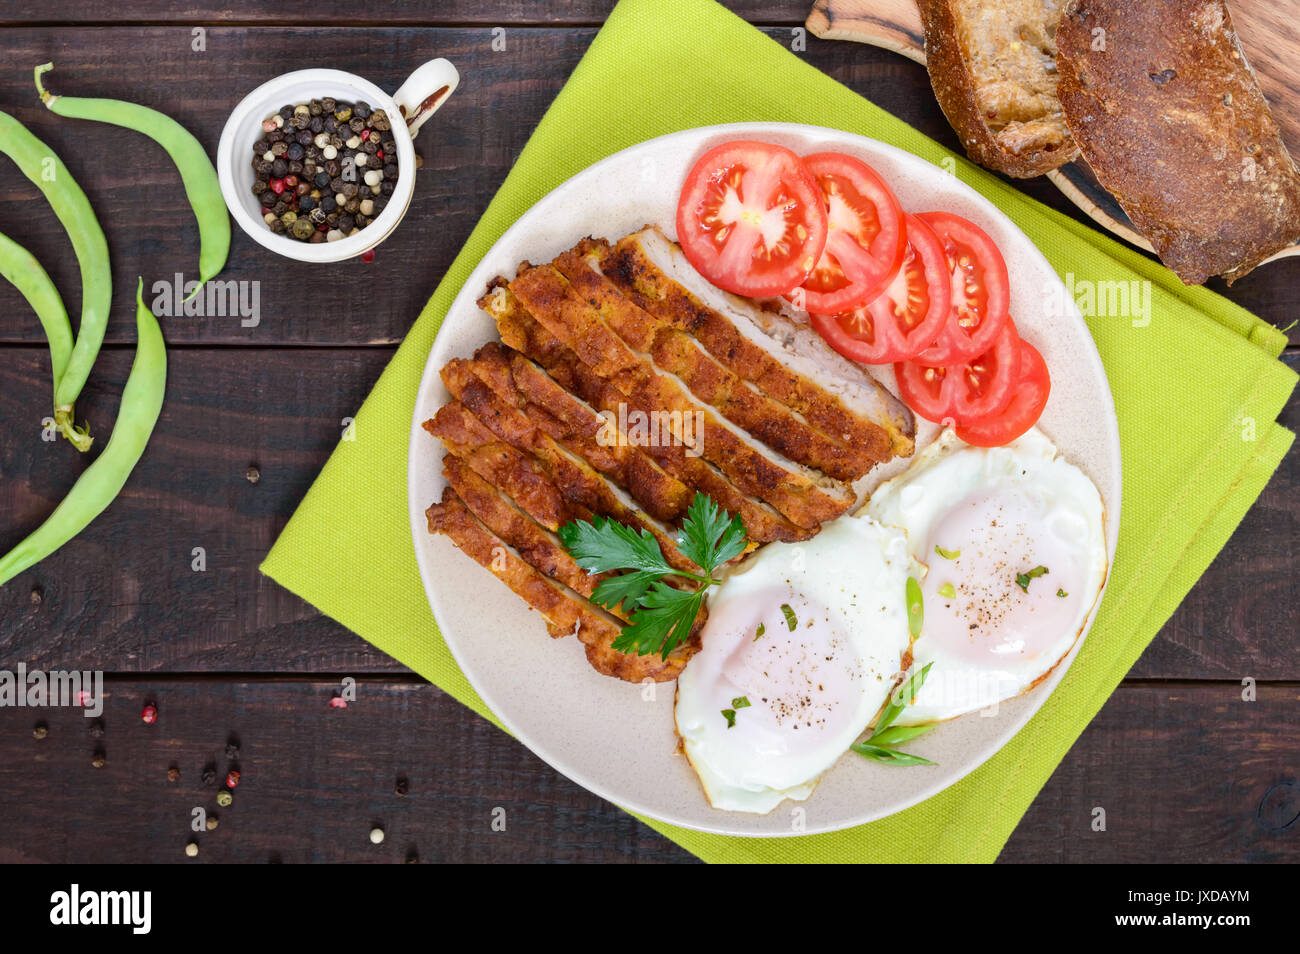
(325, 169)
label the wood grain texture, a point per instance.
(123, 596)
(315, 780)
(468, 150)
(508, 13)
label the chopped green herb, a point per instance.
(730, 716)
(948, 590)
(790, 619)
(915, 607)
(947, 554)
(740, 702)
(1022, 579)
(880, 744)
(660, 616)
(1062, 593)
(762, 628)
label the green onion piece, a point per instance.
(915, 607)
(1062, 593)
(730, 716)
(790, 619)
(762, 628)
(947, 554)
(1022, 579)
(948, 590)
(740, 702)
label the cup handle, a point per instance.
(424, 91)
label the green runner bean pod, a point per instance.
(39, 164)
(198, 175)
(22, 269)
(103, 480)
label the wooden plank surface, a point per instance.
(468, 148)
(315, 780)
(226, 650)
(283, 412)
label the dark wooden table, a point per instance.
(1185, 769)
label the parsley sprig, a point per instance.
(881, 744)
(660, 616)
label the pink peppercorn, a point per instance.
(149, 713)
(232, 779)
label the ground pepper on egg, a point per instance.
(325, 169)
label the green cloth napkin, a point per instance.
(1197, 391)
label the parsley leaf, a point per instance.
(625, 588)
(603, 545)
(730, 716)
(741, 702)
(710, 536)
(662, 620)
(660, 616)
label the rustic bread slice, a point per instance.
(1170, 117)
(993, 67)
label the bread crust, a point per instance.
(1170, 117)
(1022, 147)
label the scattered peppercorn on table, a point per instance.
(301, 741)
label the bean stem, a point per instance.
(103, 480)
(202, 187)
(39, 163)
(25, 273)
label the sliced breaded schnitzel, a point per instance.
(792, 365)
(523, 333)
(806, 497)
(709, 381)
(565, 611)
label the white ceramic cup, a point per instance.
(418, 98)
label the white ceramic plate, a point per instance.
(607, 735)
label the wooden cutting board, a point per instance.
(1269, 31)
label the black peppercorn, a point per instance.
(328, 204)
(286, 112)
(322, 180)
(96, 729)
(362, 110)
(209, 776)
(280, 168)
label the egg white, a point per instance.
(1010, 513)
(812, 689)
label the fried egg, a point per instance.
(1016, 553)
(803, 644)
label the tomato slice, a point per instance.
(904, 319)
(967, 392)
(751, 219)
(865, 243)
(981, 291)
(1022, 413)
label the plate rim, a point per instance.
(417, 509)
